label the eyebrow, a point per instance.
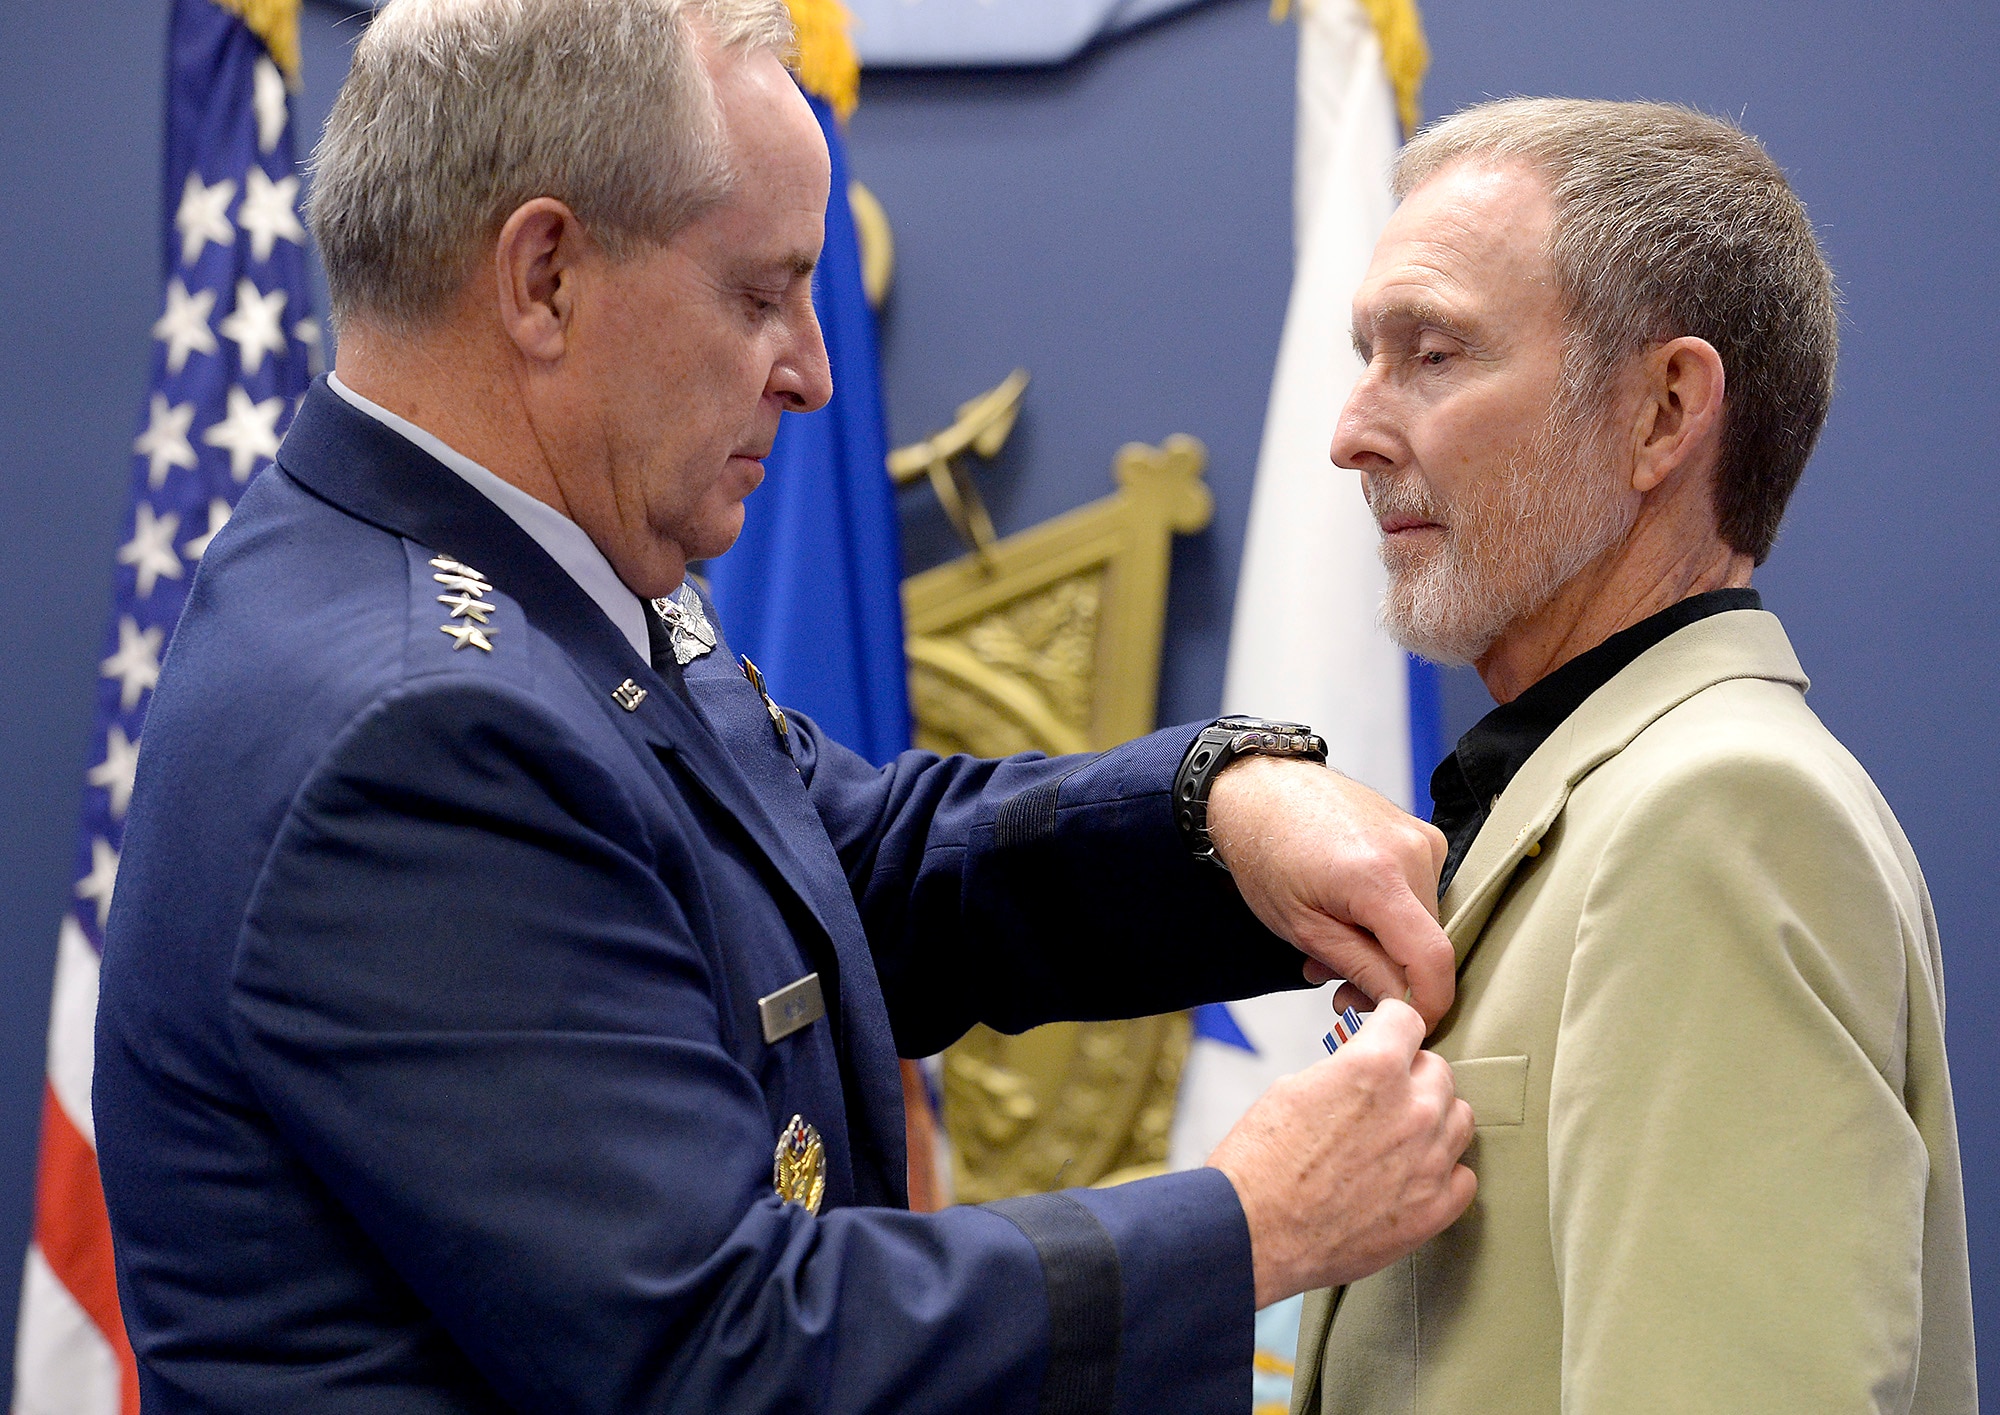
(790, 267)
(1412, 313)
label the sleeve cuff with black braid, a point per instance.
(1150, 1295)
(1080, 1271)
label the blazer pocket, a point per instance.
(1496, 1087)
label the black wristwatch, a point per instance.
(1214, 748)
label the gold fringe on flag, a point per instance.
(828, 67)
(276, 22)
(1405, 52)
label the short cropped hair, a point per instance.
(1668, 223)
(455, 112)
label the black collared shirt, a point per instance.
(1468, 782)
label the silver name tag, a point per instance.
(791, 1007)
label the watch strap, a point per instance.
(1214, 748)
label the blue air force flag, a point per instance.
(812, 590)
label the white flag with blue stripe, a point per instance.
(1306, 644)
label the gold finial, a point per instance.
(828, 67)
(982, 426)
(1405, 53)
(276, 22)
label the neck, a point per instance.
(1656, 566)
(446, 380)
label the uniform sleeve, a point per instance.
(470, 1003)
(1737, 1189)
(1034, 889)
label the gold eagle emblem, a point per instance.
(798, 1171)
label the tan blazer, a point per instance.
(1700, 1022)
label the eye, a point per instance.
(1433, 358)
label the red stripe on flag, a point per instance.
(74, 1232)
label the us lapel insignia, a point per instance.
(688, 629)
(467, 603)
(628, 695)
(798, 1171)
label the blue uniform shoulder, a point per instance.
(300, 619)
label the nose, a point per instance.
(802, 378)
(1362, 438)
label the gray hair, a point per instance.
(1669, 222)
(455, 112)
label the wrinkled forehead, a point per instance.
(1473, 239)
(766, 121)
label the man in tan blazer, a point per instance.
(1700, 1017)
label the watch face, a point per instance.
(1264, 724)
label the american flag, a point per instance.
(233, 350)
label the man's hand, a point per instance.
(1340, 873)
(1346, 1166)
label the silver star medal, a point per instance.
(689, 631)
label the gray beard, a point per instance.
(1508, 548)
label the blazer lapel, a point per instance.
(1742, 643)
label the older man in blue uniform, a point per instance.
(501, 999)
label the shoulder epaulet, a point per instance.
(455, 610)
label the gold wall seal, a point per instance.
(1049, 640)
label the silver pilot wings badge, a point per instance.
(688, 629)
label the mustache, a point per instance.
(1405, 497)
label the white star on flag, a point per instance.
(234, 205)
(308, 333)
(203, 216)
(102, 879)
(151, 548)
(136, 664)
(269, 213)
(249, 432)
(218, 517)
(256, 325)
(184, 327)
(115, 773)
(268, 98)
(164, 443)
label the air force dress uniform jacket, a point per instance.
(430, 1071)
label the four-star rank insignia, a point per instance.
(798, 1171)
(467, 603)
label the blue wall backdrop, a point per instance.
(1121, 227)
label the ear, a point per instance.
(535, 269)
(1680, 417)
